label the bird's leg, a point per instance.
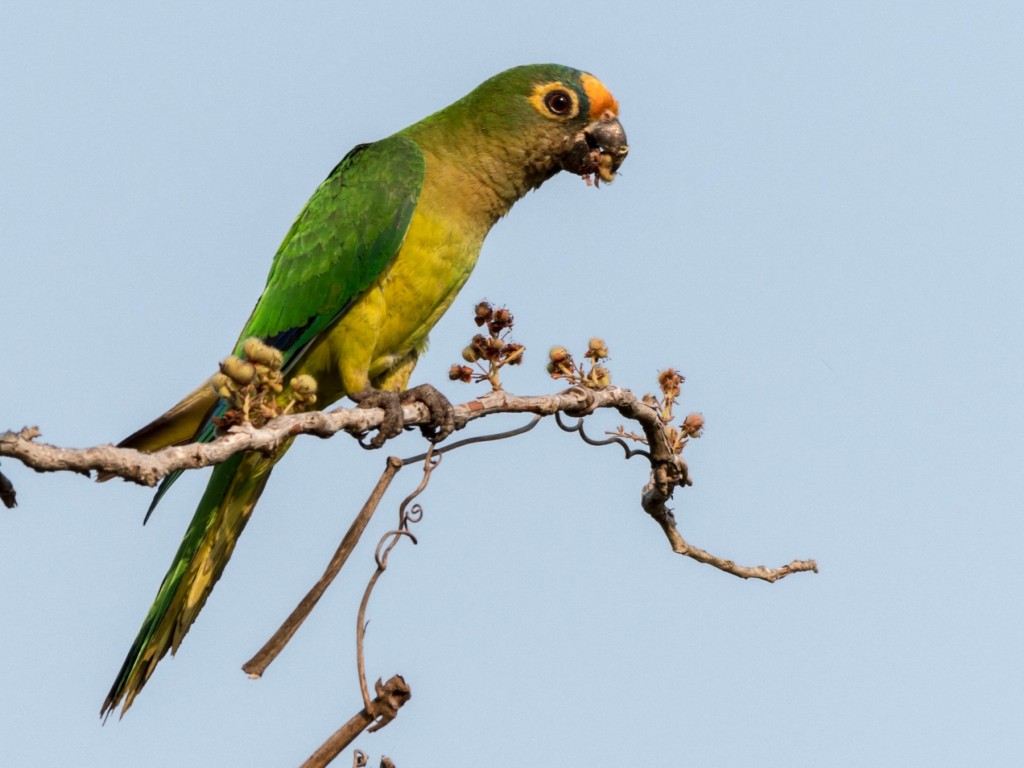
(442, 414)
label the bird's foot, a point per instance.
(442, 414)
(389, 402)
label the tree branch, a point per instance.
(653, 503)
(150, 468)
(668, 470)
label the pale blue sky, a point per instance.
(819, 223)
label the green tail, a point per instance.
(233, 491)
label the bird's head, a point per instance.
(579, 119)
(541, 119)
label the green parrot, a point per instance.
(369, 266)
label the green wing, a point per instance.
(347, 234)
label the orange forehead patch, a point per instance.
(600, 98)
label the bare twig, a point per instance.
(389, 699)
(578, 427)
(653, 501)
(406, 516)
(258, 664)
(439, 450)
(382, 709)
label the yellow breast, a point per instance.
(378, 339)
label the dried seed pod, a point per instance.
(460, 373)
(304, 385)
(479, 343)
(558, 354)
(482, 312)
(693, 425)
(264, 354)
(597, 349)
(513, 353)
(500, 319)
(669, 380)
(221, 384)
(241, 371)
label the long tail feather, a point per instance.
(223, 511)
(181, 424)
(205, 433)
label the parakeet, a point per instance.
(369, 266)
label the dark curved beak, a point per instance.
(608, 136)
(599, 149)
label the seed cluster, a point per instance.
(597, 376)
(253, 384)
(491, 352)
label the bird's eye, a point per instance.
(558, 102)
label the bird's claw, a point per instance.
(389, 402)
(442, 414)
